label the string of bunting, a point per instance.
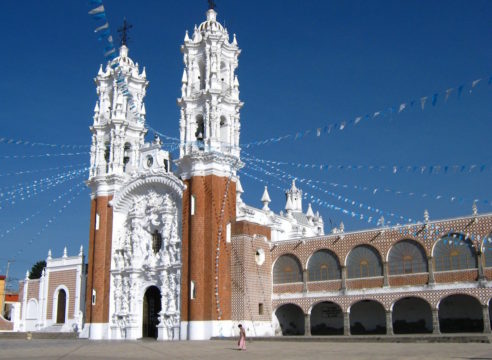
(283, 175)
(394, 169)
(34, 171)
(36, 182)
(418, 229)
(81, 188)
(375, 190)
(27, 194)
(34, 156)
(419, 103)
(36, 213)
(318, 201)
(10, 141)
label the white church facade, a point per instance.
(175, 253)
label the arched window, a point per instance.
(287, 269)
(323, 265)
(364, 261)
(200, 128)
(487, 250)
(224, 131)
(454, 252)
(156, 242)
(107, 154)
(126, 155)
(407, 257)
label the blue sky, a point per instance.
(304, 65)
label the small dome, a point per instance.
(123, 58)
(211, 23)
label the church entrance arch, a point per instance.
(291, 319)
(460, 313)
(61, 306)
(151, 308)
(367, 317)
(326, 319)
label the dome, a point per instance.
(211, 24)
(123, 58)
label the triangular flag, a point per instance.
(97, 10)
(448, 92)
(402, 107)
(422, 102)
(358, 118)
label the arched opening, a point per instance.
(323, 265)
(367, 317)
(126, 155)
(407, 257)
(454, 252)
(156, 241)
(224, 131)
(200, 131)
(364, 261)
(326, 319)
(61, 307)
(412, 315)
(201, 75)
(151, 309)
(460, 313)
(287, 269)
(291, 319)
(107, 154)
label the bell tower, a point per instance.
(209, 159)
(118, 133)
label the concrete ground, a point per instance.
(218, 350)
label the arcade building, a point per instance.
(174, 252)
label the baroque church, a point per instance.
(175, 254)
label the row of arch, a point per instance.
(453, 252)
(409, 315)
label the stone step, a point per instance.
(38, 335)
(416, 338)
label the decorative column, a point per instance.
(389, 322)
(307, 325)
(430, 265)
(486, 319)
(481, 276)
(344, 278)
(346, 323)
(304, 280)
(435, 322)
(385, 274)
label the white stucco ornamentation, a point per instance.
(146, 252)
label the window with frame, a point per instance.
(454, 252)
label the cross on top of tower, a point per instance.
(211, 4)
(124, 32)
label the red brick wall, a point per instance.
(57, 278)
(408, 279)
(99, 258)
(455, 276)
(248, 228)
(287, 288)
(251, 282)
(331, 285)
(365, 283)
(200, 234)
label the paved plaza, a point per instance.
(217, 350)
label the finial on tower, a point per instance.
(124, 32)
(211, 4)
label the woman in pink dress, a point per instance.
(242, 338)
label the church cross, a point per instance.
(124, 32)
(211, 4)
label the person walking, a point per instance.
(242, 338)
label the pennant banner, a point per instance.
(8, 141)
(327, 129)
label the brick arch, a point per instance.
(286, 253)
(364, 244)
(295, 258)
(355, 301)
(333, 253)
(444, 296)
(317, 302)
(412, 295)
(300, 306)
(409, 238)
